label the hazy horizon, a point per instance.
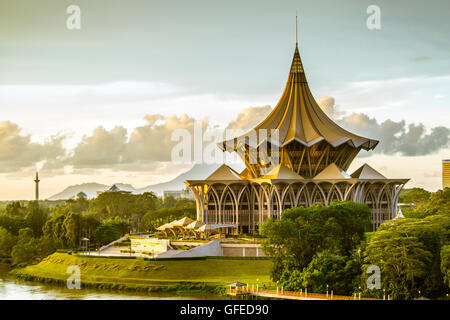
(98, 104)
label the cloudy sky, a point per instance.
(100, 103)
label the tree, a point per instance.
(54, 230)
(340, 273)
(439, 203)
(346, 223)
(106, 233)
(14, 209)
(300, 233)
(169, 202)
(404, 260)
(417, 196)
(445, 264)
(114, 203)
(182, 208)
(72, 226)
(12, 223)
(36, 217)
(26, 249)
(29, 249)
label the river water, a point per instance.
(14, 289)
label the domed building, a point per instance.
(296, 157)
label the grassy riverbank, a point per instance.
(203, 274)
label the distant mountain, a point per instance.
(90, 189)
(197, 172)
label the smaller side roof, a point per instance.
(182, 222)
(163, 227)
(367, 172)
(237, 284)
(282, 172)
(194, 225)
(114, 188)
(332, 172)
(206, 228)
(224, 172)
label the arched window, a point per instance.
(317, 197)
(212, 208)
(244, 212)
(302, 200)
(334, 195)
(275, 206)
(288, 201)
(228, 206)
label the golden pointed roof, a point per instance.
(332, 172)
(367, 172)
(297, 116)
(224, 172)
(282, 172)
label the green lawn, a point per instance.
(151, 273)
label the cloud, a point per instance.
(432, 174)
(328, 105)
(17, 151)
(395, 137)
(153, 141)
(145, 145)
(142, 147)
(101, 148)
(249, 118)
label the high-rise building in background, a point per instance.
(446, 173)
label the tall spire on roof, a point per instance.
(302, 129)
(296, 66)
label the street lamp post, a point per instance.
(327, 291)
(130, 242)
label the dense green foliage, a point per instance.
(408, 251)
(172, 210)
(415, 196)
(340, 273)
(301, 233)
(426, 203)
(7, 242)
(412, 253)
(30, 231)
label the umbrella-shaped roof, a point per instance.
(297, 116)
(194, 225)
(206, 228)
(163, 227)
(182, 222)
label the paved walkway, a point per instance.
(290, 295)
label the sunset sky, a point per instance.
(99, 104)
